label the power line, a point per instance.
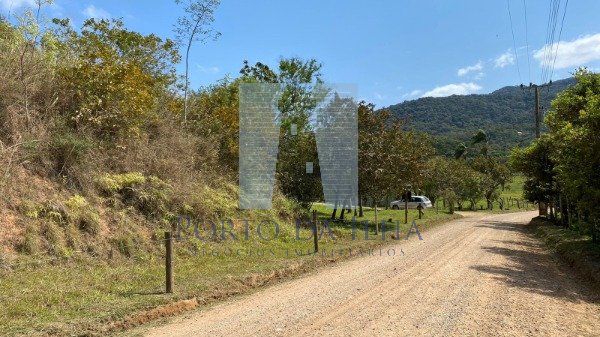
(559, 35)
(549, 48)
(547, 41)
(555, 19)
(513, 37)
(527, 41)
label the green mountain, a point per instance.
(506, 115)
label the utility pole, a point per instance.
(542, 207)
(537, 111)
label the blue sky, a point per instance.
(392, 50)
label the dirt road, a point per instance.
(478, 276)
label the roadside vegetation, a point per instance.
(575, 248)
(98, 295)
(561, 167)
(104, 147)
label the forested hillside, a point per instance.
(505, 114)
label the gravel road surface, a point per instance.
(477, 276)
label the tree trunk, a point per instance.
(360, 207)
(333, 214)
(376, 223)
(563, 221)
(187, 71)
(569, 215)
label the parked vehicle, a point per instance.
(413, 202)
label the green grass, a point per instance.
(575, 248)
(82, 294)
(430, 215)
(511, 193)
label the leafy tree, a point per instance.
(215, 111)
(391, 161)
(481, 138)
(536, 164)
(461, 151)
(495, 176)
(111, 76)
(300, 81)
(574, 123)
(454, 181)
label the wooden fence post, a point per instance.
(315, 231)
(169, 262)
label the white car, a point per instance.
(413, 202)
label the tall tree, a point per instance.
(574, 123)
(300, 82)
(194, 26)
(391, 160)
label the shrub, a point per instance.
(154, 198)
(30, 209)
(83, 214)
(89, 222)
(30, 244)
(115, 183)
(53, 236)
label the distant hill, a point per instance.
(502, 114)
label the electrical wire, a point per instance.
(553, 18)
(547, 41)
(527, 41)
(514, 42)
(559, 35)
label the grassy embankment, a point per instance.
(83, 295)
(575, 248)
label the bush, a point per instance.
(151, 196)
(89, 222)
(115, 183)
(154, 198)
(30, 244)
(53, 236)
(83, 214)
(30, 209)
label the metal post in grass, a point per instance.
(315, 232)
(169, 262)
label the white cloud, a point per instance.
(94, 12)
(378, 96)
(453, 89)
(574, 53)
(476, 67)
(412, 94)
(415, 93)
(15, 4)
(505, 59)
(208, 70)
